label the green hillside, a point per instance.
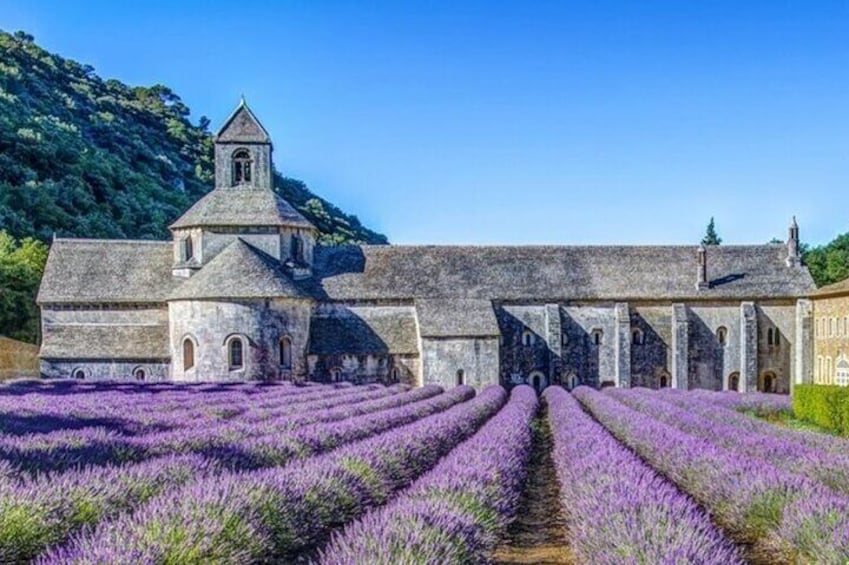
(86, 157)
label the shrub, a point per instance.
(824, 405)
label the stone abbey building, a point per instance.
(243, 291)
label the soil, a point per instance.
(538, 535)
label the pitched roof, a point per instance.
(455, 317)
(99, 270)
(107, 341)
(551, 273)
(364, 330)
(838, 288)
(243, 127)
(241, 206)
(239, 271)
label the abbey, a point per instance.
(243, 291)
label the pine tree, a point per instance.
(711, 237)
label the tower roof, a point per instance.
(241, 206)
(242, 127)
(240, 271)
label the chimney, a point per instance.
(793, 257)
(702, 280)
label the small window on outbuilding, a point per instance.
(241, 166)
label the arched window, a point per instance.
(842, 372)
(139, 374)
(829, 376)
(79, 374)
(527, 338)
(722, 335)
(564, 339)
(571, 381)
(637, 336)
(188, 248)
(236, 354)
(188, 354)
(767, 382)
(285, 352)
(335, 374)
(734, 381)
(597, 336)
(461, 377)
(241, 166)
(769, 336)
(395, 375)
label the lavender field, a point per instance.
(335, 474)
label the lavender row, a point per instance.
(726, 413)
(61, 450)
(274, 515)
(831, 469)
(618, 509)
(759, 402)
(792, 518)
(35, 515)
(456, 512)
(58, 504)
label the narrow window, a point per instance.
(527, 338)
(722, 336)
(236, 354)
(776, 337)
(188, 354)
(461, 377)
(769, 336)
(395, 375)
(286, 352)
(241, 166)
(637, 337)
(189, 252)
(564, 339)
(597, 336)
(664, 381)
(335, 374)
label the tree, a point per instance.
(21, 267)
(711, 237)
(829, 263)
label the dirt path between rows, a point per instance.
(538, 535)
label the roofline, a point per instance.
(825, 292)
(543, 246)
(96, 240)
(173, 227)
(242, 104)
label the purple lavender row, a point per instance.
(61, 450)
(618, 509)
(42, 513)
(456, 512)
(831, 469)
(789, 517)
(759, 402)
(718, 412)
(59, 504)
(276, 514)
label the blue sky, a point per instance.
(512, 122)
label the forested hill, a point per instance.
(86, 157)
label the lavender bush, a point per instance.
(455, 512)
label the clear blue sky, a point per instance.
(512, 122)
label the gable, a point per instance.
(243, 127)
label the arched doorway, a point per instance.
(767, 382)
(664, 380)
(538, 381)
(734, 381)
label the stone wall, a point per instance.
(651, 360)
(477, 358)
(96, 369)
(260, 324)
(776, 359)
(831, 336)
(370, 368)
(710, 361)
(18, 359)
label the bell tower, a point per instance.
(243, 152)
